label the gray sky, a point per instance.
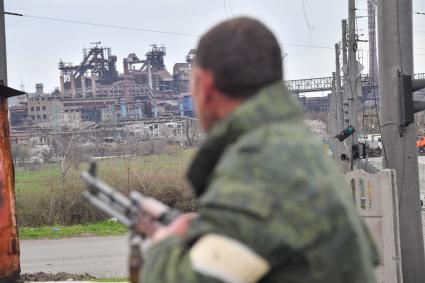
(34, 46)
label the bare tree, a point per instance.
(61, 148)
(192, 131)
(20, 153)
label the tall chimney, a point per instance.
(39, 89)
(83, 86)
(373, 59)
(93, 85)
(62, 82)
(73, 85)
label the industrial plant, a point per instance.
(97, 92)
(94, 93)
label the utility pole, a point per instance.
(373, 59)
(331, 123)
(338, 96)
(345, 97)
(9, 243)
(3, 65)
(332, 129)
(399, 138)
(345, 69)
(353, 70)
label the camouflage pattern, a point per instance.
(262, 178)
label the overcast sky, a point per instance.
(35, 46)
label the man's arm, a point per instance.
(201, 256)
(168, 262)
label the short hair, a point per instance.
(243, 54)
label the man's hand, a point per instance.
(178, 227)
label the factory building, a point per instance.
(98, 92)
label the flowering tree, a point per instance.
(317, 127)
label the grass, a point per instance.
(103, 228)
(44, 200)
(118, 279)
(26, 179)
(49, 174)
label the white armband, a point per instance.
(228, 260)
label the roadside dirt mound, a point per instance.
(62, 276)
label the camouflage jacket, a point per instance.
(272, 206)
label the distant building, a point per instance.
(96, 90)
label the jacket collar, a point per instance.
(270, 105)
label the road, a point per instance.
(98, 256)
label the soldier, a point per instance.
(271, 205)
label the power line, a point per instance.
(415, 12)
(100, 25)
(308, 46)
(230, 7)
(307, 22)
(225, 8)
(138, 29)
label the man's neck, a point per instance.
(227, 106)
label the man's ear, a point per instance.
(208, 84)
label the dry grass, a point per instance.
(57, 201)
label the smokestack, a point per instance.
(93, 85)
(373, 60)
(150, 75)
(83, 86)
(125, 64)
(73, 85)
(62, 82)
(39, 89)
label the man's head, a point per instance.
(234, 60)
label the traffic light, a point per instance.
(358, 151)
(345, 133)
(346, 111)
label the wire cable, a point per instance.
(225, 8)
(142, 29)
(308, 46)
(100, 25)
(230, 7)
(307, 22)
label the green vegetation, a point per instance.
(118, 279)
(102, 228)
(26, 179)
(46, 174)
(46, 197)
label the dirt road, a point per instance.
(98, 256)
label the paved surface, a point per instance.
(98, 256)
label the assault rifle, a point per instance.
(142, 215)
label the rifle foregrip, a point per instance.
(168, 217)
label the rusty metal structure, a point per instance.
(9, 242)
(98, 67)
